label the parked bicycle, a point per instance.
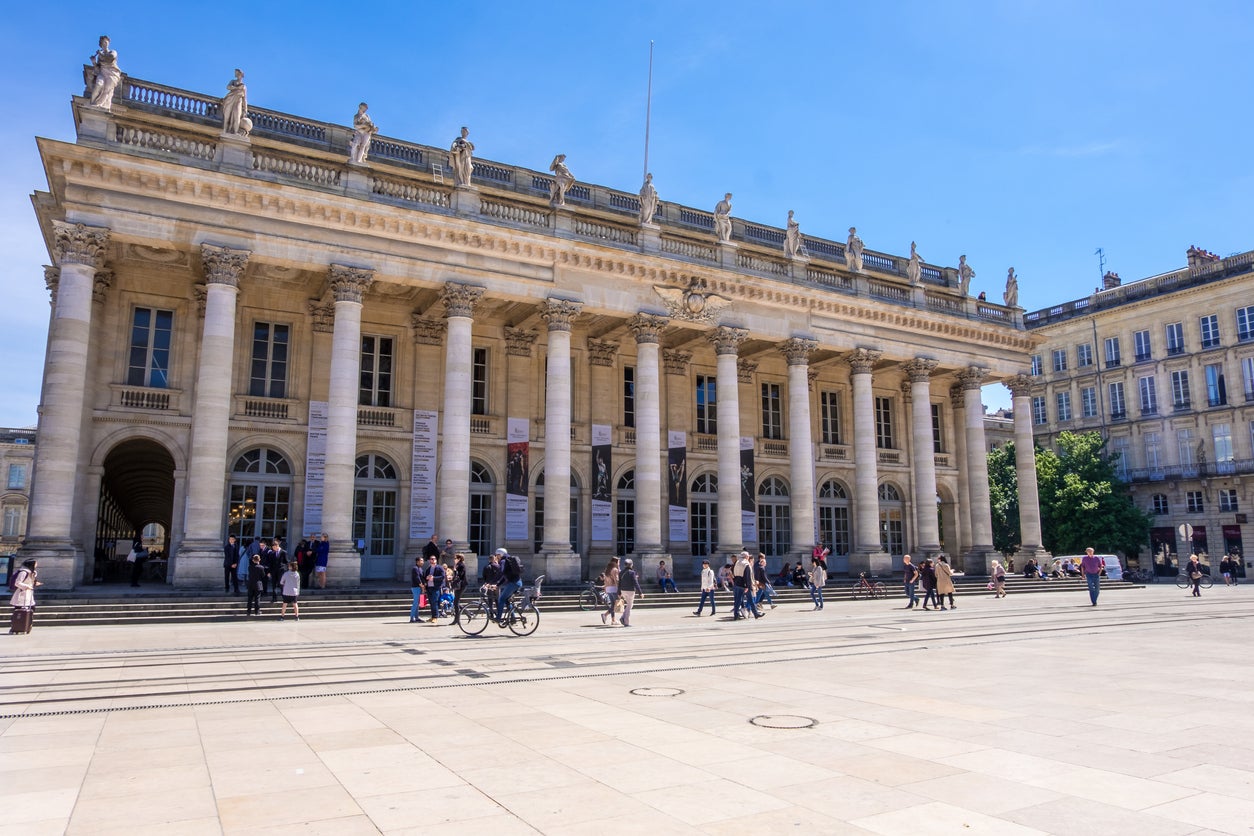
(1184, 581)
(519, 614)
(594, 597)
(865, 587)
(1143, 576)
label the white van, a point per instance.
(1114, 569)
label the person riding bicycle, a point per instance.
(511, 581)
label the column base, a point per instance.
(198, 565)
(557, 567)
(60, 561)
(1039, 552)
(979, 561)
(646, 564)
(343, 567)
(879, 564)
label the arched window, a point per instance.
(481, 517)
(703, 514)
(892, 531)
(260, 495)
(625, 514)
(374, 515)
(834, 517)
(774, 517)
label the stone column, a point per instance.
(868, 555)
(348, 285)
(453, 479)
(927, 533)
(561, 563)
(981, 555)
(727, 342)
(963, 511)
(1030, 545)
(199, 561)
(800, 444)
(648, 331)
(50, 537)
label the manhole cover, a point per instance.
(657, 692)
(783, 721)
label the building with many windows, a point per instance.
(256, 333)
(1164, 368)
(17, 455)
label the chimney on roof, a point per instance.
(1198, 257)
(1111, 280)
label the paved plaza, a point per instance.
(1032, 714)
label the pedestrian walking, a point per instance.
(322, 556)
(611, 591)
(707, 588)
(1225, 568)
(629, 588)
(742, 588)
(289, 584)
(1194, 571)
(909, 579)
(1091, 566)
(415, 589)
(433, 578)
(944, 582)
(460, 582)
(927, 578)
(999, 579)
(818, 579)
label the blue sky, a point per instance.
(1018, 133)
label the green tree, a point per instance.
(1003, 494)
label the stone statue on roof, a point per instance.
(562, 181)
(364, 130)
(235, 107)
(853, 250)
(1011, 296)
(461, 158)
(914, 268)
(965, 274)
(648, 200)
(105, 75)
(794, 247)
(722, 219)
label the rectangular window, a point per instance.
(829, 417)
(1063, 402)
(1216, 389)
(1088, 402)
(938, 429)
(1112, 352)
(884, 424)
(1118, 408)
(376, 371)
(17, 477)
(1180, 389)
(149, 363)
(268, 372)
(1060, 359)
(1208, 326)
(1149, 395)
(12, 522)
(1193, 502)
(1175, 339)
(1119, 456)
(1185, 448)
(479, 381)
(772, 412)
(707, 417)
(1228, 500)
(1161, 507)
(1036, 365)
(1038, 411)
(1141, 345)
(1222, 435)
(1083, 355)
(1247, 378)
(629, 396)
(1153, 451)
(1245, 324)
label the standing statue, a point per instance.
(853, 251)
(1011, 296)
(914, 269)
(364, 130)
(794, 247)
(562, 181)
(722, 219)
(965, 274)
(105, 75)
(461, 158)
(648, 200)
(235, 107)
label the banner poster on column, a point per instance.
(748, 508)
(517, 477)
(602, 466)
(315, 466)
(422, 481)
(677, 485)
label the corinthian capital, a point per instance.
(972, 378)
(797, 350)
(349, 284)
(726, 339)
(322, 318)
(223, 265)
(427, 331)
(601, 353)
(460, 299)
(957, 397)
(920, 369)
(676, 362)
(862, 360)
(79, 244)
(560, 314)
(518, 341)
(745, 370)
(1020, 385)
(52, 278)
(647, 327)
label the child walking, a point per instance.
(289, 584)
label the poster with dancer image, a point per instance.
(517, 477)
(748, 507)
(677, 485)
(602, 466)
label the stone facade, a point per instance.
(252, 335)
(17, 460)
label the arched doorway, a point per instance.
(834, 524)
(892, 529)
(481, 517)
(703, 514)
(136, 492)
(774, 517)
(625, 514)
(374, 515)
(260, 496)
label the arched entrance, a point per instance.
(136, 492)
(774, 518)
(260, 496)
(834, 524)
(892, 528)
(703, 514)
(481, 507)
(625, 514)
(374, 515)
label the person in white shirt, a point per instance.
(818, 579)
(289, 585)
(707, 588)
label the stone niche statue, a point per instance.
(794, 247)
(914, 268)
(1011, 296)
(562, 181)
(461, 158)
(364, 130)
(722, 219)
(853, 250)
(648, 200)
(235, 107)
(965, 274)
(105, 75)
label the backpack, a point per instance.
(13, 580)
(512, 567)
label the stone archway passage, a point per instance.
(137, 488)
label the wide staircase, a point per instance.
(163, 605)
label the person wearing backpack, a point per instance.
(22, 583)
(511, 582)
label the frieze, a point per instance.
(155, 255)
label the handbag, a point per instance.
(992, 585)
(1197, 576)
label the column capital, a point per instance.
(100, 286)
(560, 314)
(957, 397)
(223, 265)
(726, 339)
(427, 331)
(460, 299)
(797, 350)
(52, 278)
(1020, 385)
(647, 328)
(676, 362)
(972, 378)
(79, 244)
(745, 370)
(323, 317)
(907, 391)
(920, 369)
(518, 341)
(601, 353)
(861, 360)
(349, 284)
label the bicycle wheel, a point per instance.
(1182, 581)
(1207, 581)
(588, 600)
(857, 591)
(881, 591)
(524, 620)
(474, 619)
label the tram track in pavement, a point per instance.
(157, 677)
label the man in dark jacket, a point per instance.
(433, 577)
(276, 566)
(230, 563)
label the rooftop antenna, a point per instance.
(1101, 262)
(648, 110)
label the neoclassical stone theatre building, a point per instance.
(268, 330)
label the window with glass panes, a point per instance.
(1088, 402)
(1175, 338)
(1245, 323)
(12, 521)
(1208, 327)
(268, 370)
(1160, 505)
(707, 419)
(829, 417)
(149, 365)
(1062, 401)
(1153, 450)
(884, 424)
(625, 514)
(17, 477)
(629, 396)
(1036, 365)
(376, 371)
(1141, 345)
(1149, 395)
(1118, 407)
(1083, 355)
(1221, 434)
(938, 429)
(1193, 502)
(1216, 390)
(772, 412)
(1060, 359)
(479, 381)
(1180, 388)
(479, 533)
(1112, 352)
(892, 530)
(1185, 449)
(1038, 410)
(1228, 500)
(1119, 446)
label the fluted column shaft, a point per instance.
(647, 329)
(866, 475)
(963, 511)
(977, 461)
(727, 411)
(559, 314)
(800, 443)
(928, 534)
(1030, 539)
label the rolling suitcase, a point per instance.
(21, 620)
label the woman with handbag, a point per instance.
(1194, 571)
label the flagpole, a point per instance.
(648, 109)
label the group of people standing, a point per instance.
(622, 587)
(262, 564)
(432, 581)
(936, 578)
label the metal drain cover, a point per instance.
(657, 692)
(783, 721)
